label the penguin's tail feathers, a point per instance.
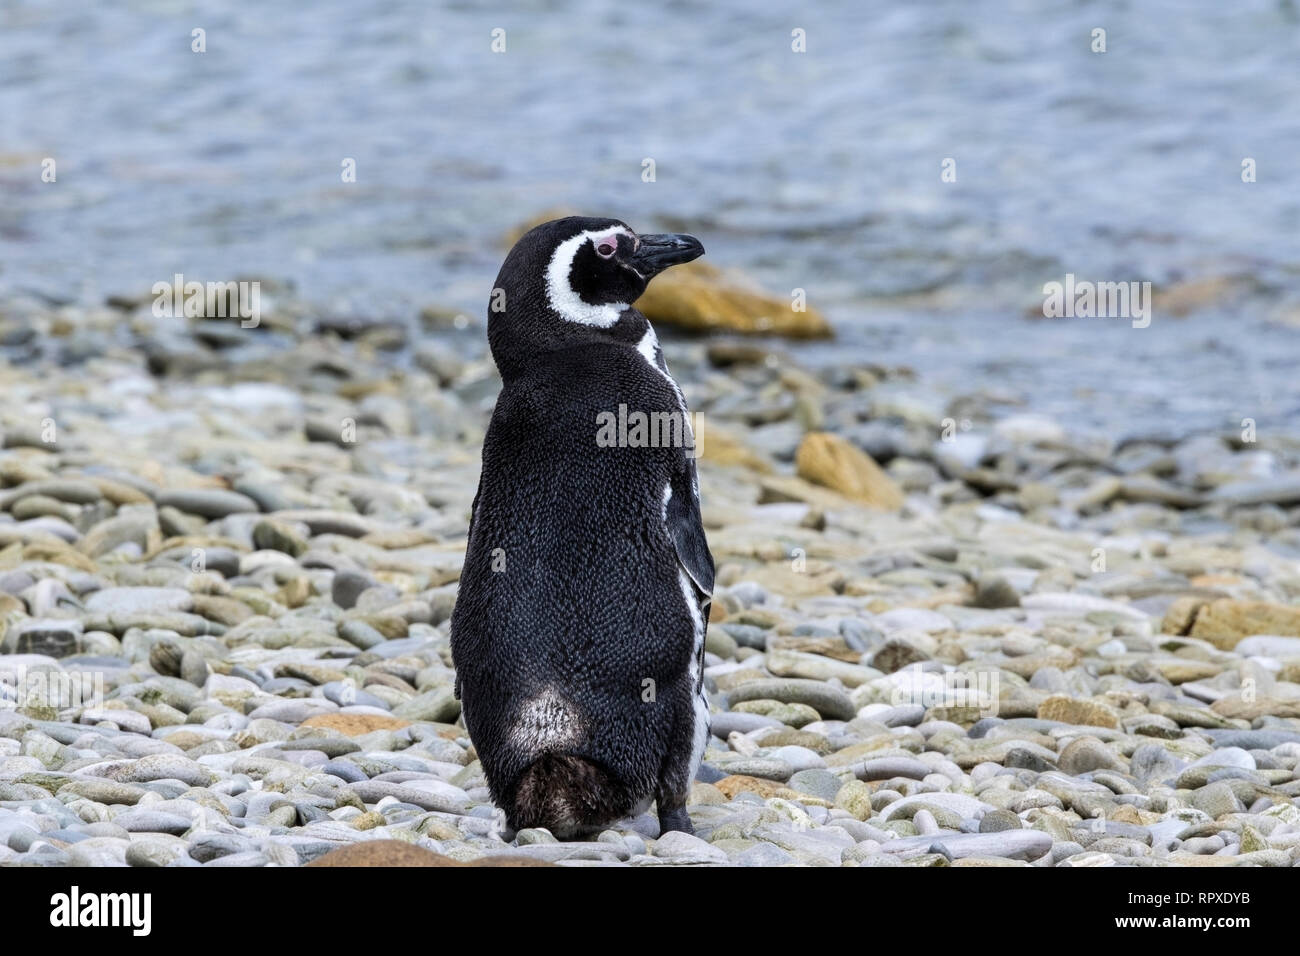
(569, 795)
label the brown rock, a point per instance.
(398, 538)
(1234, 706)
(1028, 664)
(1226, 621)
(780, 489)
(56, 552)
(1073, 710)
(739, 783)
(399, 853)
(818, 579)
(699, 297)
(897, 653)
(1182, 671)
(225, 610)
(717, 445)
(836, 463)
(1180, 615)
(1182, 298)
(117, 492)
(354, 725)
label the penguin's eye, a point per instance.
(606, 249)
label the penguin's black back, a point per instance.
(588, 605)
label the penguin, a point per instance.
(579, 624)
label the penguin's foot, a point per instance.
(675, 818)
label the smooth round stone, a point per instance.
(684, 847)
(1153, 725)
(726, 723)
(136, 600)
(207, 502)
(1153, 762)
(127, 720)
(816, 783)
(153, 853)
(98, 851)
(1216, 800)
(1210, 844)
(764, 854)
(1265, 645)
(930, 728)
(982, 726)
(169, 789)
(348, 585)
(17, 831)
(329, 746)
(1008, 844)
(925, 822)
(1022, 758)
(995, 591)
(958, 803)
(800, 758)
(996, 821)
(1065, 849)
(348, 695)
(344, 770)
(707, 773)
(293, 711)
(206, 845)
(244, 859)
(104, 791)
(162, 767)
(152, 821)
(826, 699)
(360, 634)
(288, 687)
(906, 715)
(427, 795)
(1226, 757)
(982, 772)
(886, 768)
(1256, 739)
(764, 767)
(1086, 754)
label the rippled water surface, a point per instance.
(818, 170)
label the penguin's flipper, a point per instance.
(686, 527)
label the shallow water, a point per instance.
(818, 170)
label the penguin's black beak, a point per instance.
(657, 252)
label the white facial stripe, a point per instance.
(571, 306)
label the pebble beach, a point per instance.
(940, 637)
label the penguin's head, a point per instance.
(575, 279)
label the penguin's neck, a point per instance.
(517, 346)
